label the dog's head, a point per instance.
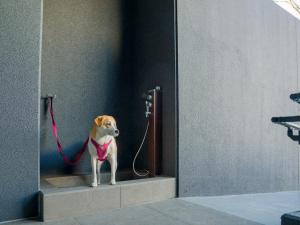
(106, 125)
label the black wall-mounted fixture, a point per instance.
(290, 122)
(295, 97)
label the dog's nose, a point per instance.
(116, 132)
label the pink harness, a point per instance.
(101, 149)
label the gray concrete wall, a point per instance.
(85, 62)
(20, 23)
(237, 65)
(154, 64)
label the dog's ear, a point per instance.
(99, 120)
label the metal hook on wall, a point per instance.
(46, 101)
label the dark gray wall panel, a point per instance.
(237, 65)
(154, 64)
(86, 62)
(20, 23)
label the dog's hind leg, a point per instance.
(94, 165)
(99, 164)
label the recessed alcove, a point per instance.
(98, 57)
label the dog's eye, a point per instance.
(108, 124)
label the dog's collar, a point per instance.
(101, 149)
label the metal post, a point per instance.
(155, 140)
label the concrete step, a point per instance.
(64, 202)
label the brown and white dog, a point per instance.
(102, 145)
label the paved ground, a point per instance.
(264, 208)
(170, 212)
(250, 209)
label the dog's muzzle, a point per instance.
(113, 132)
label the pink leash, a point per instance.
(60, 149)
(101, 149)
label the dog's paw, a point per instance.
(94, 184)
(113, 182)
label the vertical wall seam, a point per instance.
(297, 86)
(297, 69)
(176, 96)
(39, 89)
(39, 107)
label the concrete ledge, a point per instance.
(56, 203)
(148, 190)
(71, 203)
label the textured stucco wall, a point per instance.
(85, 62)
(19, 121)
(154, 64)
(237, 64)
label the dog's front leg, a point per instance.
(113, 167)
(99, 164)
(94, 165)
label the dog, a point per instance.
(102, 146)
